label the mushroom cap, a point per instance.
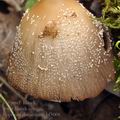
(59, 53)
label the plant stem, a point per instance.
(12, 89)
(5, 101)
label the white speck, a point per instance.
(26, 12)
(33, 33)
(41, 68)
(43, 56)
(33, 53)
(51, 65)
(32, 21)
(92, 60)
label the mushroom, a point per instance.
(59, 53)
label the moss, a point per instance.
(30, 3)
(111, 18)
(111, 14)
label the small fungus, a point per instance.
(68, 60)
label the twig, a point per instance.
(12, 89)
(5, 101)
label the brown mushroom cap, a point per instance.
(59, 53)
